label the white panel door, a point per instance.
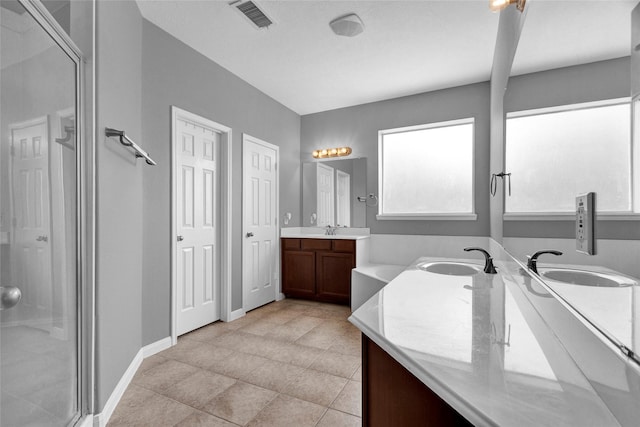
(260, 222)
(197, 257)
(343, 199)
(31, 251)
(326, 196)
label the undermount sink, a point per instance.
(586, 278)
(450, 268)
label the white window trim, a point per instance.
(453, 216)
(570, 216)
(428, 217)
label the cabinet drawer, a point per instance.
(291, 244)
(344, 246)
(316, 244)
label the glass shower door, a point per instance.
(39, 345)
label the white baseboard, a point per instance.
(87, 421)
(156, 347)
(236, 315)
(280, 297)
(101, 419)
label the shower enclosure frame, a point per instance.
(85, 210)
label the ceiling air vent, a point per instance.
(253, 13)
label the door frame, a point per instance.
(226, 214)
(246, 138)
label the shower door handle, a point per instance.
(9, 297)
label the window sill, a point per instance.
(568, 216)
(428, 217)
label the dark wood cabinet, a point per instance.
(318, 269)
(392, 396)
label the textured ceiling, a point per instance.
(562, 33)
(407, 47)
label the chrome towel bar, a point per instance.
(124, 140)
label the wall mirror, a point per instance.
(568, 131)
(331, 193)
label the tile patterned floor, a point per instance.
(289, 363)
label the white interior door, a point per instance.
(31, 251)
(343, 199)
(197, 258)
(260, 222)
(326, 195)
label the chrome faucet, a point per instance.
(488, 261)
(330, 231)
(532, 261)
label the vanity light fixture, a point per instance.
(331, 152)
(497, 5)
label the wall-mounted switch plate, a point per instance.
(586, 223)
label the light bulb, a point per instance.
(315, 153)
(323, 152)
(334, 151)
(496, 5)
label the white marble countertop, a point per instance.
(324, 236)
(480, 345)
(343, 233)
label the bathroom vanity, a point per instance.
(318, 268)
(452, 348)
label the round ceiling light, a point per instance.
(348, 25)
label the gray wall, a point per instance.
(175, 74)
(582, 83)
(358, 128)
(119, 194)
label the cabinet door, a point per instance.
(298, 273)
(333, 276)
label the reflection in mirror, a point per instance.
(330, 192)
(483, 325)
(568, 119)
(38, 251)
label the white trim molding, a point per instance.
(429, 217)
(101, 419)
(569, 216)
(156, 347)
(226, 210)
(236, 314)
(87, 421)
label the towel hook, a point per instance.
(494, 181)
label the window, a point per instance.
(555, 154)
(426, 172)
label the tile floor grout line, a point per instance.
(334, 325)
(326, 409)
